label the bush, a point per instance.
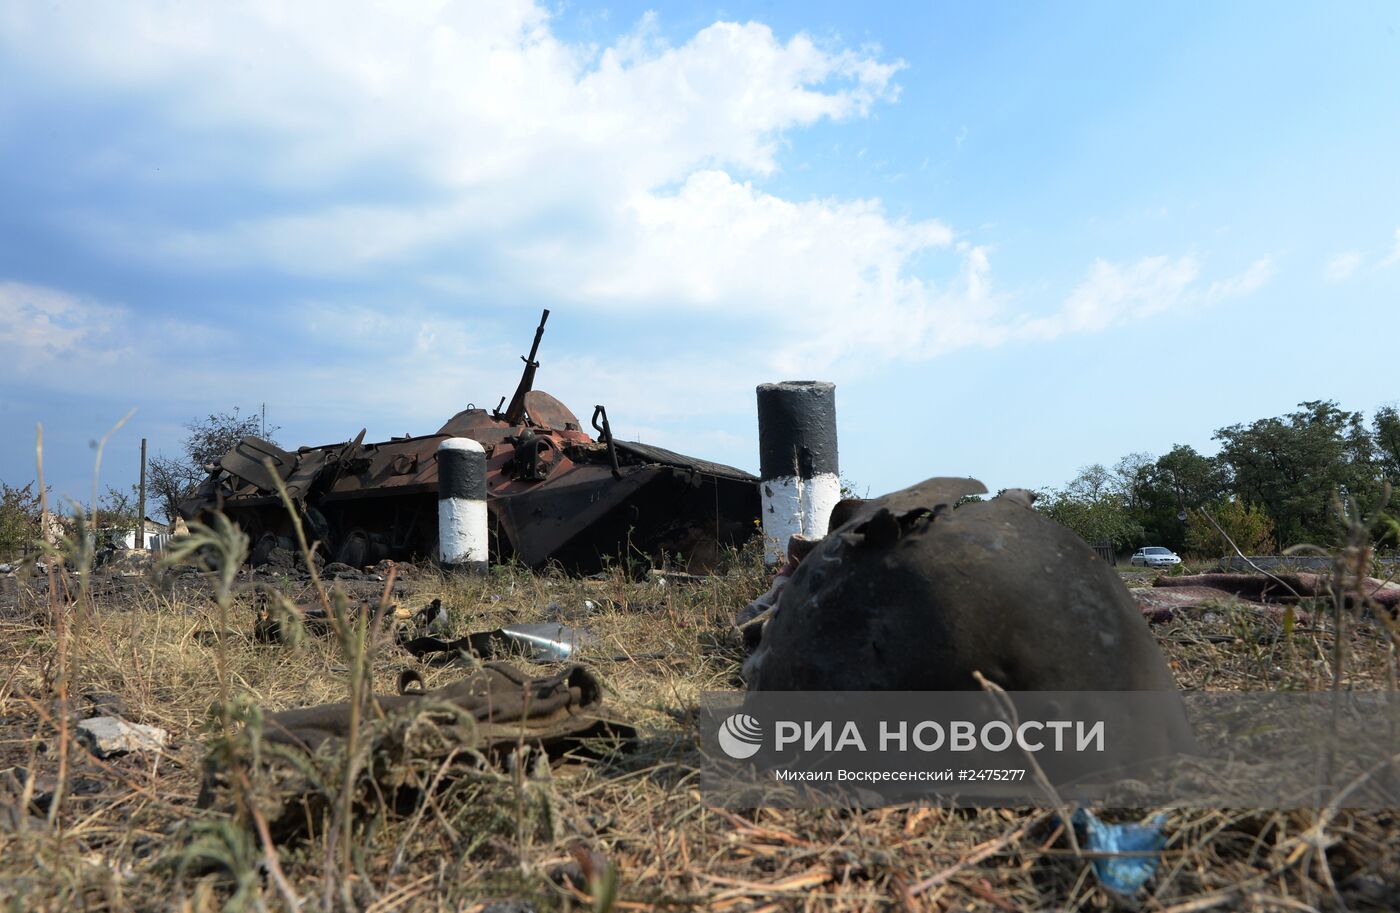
(1247, 524)
(19, 518)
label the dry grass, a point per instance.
(121, 834)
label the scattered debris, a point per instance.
(337, 571)
(1290, 587)
(106, 736)
(15, 783)
(541, 641)
(1163, 604)
(267, 627)
(409, 739)
(672, 578)
(127, 562)
(508, 706)
(555, 494)
(557, 611)
(432, 620)
(547, 642)
(1140, 846)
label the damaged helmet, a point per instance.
(918, 589)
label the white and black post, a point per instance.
(799, 478)
(462, 534)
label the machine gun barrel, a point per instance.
(515, 412)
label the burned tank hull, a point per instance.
(555, 495)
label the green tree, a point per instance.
(1247, 525)
(1090, 505)
(1295, 466)
(1157, 492)
(19, 518)
(1385, 434)
(117, 510)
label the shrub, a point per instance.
(1247, 524)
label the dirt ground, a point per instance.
(626, 833)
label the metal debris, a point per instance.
(545, 642)
(555, 493)
(915, 592)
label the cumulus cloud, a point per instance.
(398, 140)
(461, 94)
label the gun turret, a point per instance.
(515, 412)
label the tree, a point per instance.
(173, 479)
(1176, 481)
(1130, 475)
(1089, 505)
(1385, 433)
(117, 510)
(1092, 484)
(1247, 525)
(19, 518)
(1296, 465)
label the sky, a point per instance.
(1020, 238)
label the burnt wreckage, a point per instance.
(554, 493)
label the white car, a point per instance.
(1155, 556)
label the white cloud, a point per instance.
(460, 94)
(720, 244)
(620, 179)
(1341, 267)
(1254, 277)
(53, 332)
(1394, 257)
(1114, 294)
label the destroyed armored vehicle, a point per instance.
(555, 494)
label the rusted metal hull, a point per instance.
(554, 494)
(559, 502)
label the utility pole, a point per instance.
(140, 542)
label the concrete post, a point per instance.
(799, 477)
(140, 542)
(462, 533)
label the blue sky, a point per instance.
(1020, 238)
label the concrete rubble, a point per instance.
(107, 736)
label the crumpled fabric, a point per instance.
(478, 720)
(1123, 874)
(508, 706)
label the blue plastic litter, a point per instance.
(1123, 874)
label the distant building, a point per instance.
(156, 535)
